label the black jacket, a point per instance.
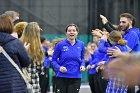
(10, 80)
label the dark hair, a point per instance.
(77, 29)
(129, 16)
(6, 25)
(42, 39)
(17, 21)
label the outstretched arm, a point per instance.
(126, 67)
(107, 25)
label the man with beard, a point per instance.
(131, 34)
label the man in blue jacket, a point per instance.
(131, 34)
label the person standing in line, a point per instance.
(90, 49)
(10, 79)
(115, 84)
(68, 61)
(50, 53)
(31, 35)
(44, 77)
(96, 81)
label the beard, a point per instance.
(124, 28)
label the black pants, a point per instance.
(54, 84)
(68, 85)
(97, 83)
(93, 79)
(44, 81)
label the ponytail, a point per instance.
(122, 42)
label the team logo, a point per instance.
(65, 48)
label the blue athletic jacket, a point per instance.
(71, 57)
(103, 49)
(133, 39)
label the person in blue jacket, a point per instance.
(131, 34)
(96, 81)
(68, 61)
(115, 84)
(44, 76)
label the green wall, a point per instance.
(83, 37)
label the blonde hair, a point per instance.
(19, 27)
(55, 41)
(117, 38)
(97, 32)
(12, 14)
(31, 34)
(90, 45)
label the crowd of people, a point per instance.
(111, 59)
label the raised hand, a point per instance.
(104, 19)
